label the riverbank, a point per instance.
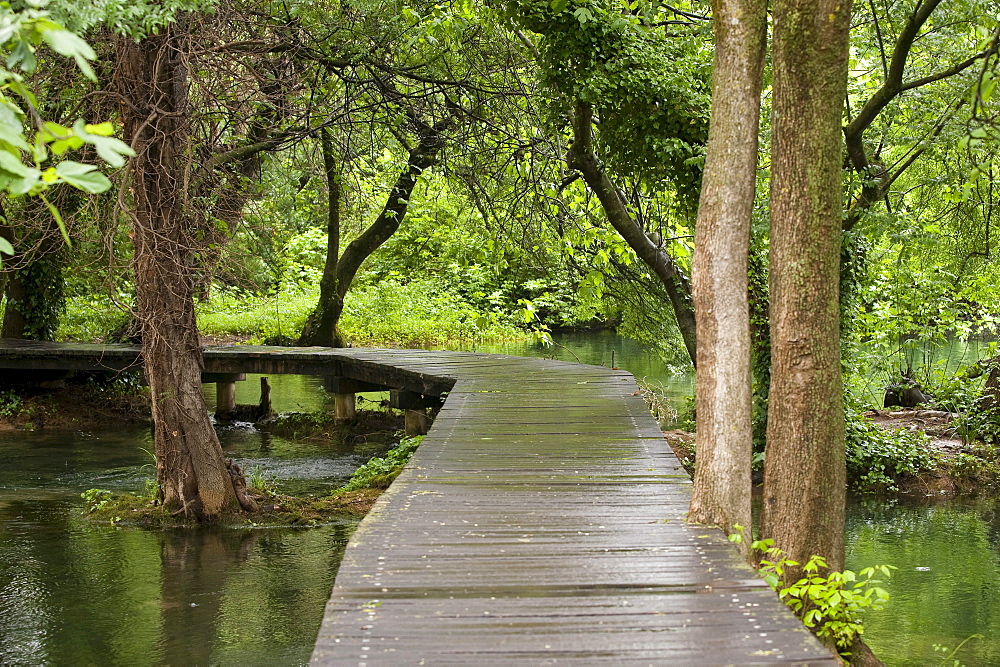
(912, 453)
(83, 406)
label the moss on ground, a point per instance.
(276, 510)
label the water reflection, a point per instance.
(74, 593)
(948, 579)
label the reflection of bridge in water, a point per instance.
(541, 520)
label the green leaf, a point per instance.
(13, 135)
(72, 46)
(85, 177)
(104, 129)
(110, 149)
(5, 246)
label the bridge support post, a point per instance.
(414, 406)
(416, 422)
(225, 390)
(345, 392)
(345, 406)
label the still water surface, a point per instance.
(71, 593)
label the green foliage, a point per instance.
(826, 604)
(262, 318)
(11, 404)
(416, 313)
(379, 471)
(88, 318)
(830, 603)
(877, 458)
(43, 302)
(261, 481)
(136, 19)
(22, 31)
(96, 499)
(649, 87)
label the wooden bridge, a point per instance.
(541, 521)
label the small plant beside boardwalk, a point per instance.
(830, 603)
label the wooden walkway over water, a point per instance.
(540, 522)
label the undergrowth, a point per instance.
(878, 458)
(829, 603)
(380, 471)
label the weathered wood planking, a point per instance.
(541, 521)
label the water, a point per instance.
(947, 585)
(75, 593)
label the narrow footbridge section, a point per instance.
(541, 521)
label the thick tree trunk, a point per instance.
(422, 157)
(722, 244)
(804, 475)
(582, 158)
(14, 321)
(321, 327)
(34, 290)
(152, 78)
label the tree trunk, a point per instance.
(422, 157)
(34, 290)
(804, 475)
(581, 156)
(722, 244)
(14, 321)
(152, 78)
(321, 327)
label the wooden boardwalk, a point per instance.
(541, 521)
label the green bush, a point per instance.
(262, 318)
(877, 458)
(89, 318)
(417, 313)
(379, 472)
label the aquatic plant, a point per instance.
(380, 471)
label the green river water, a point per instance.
(72, 593)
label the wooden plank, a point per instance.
(542, 520)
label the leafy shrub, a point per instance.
(89, 318)
(877, 458)
(379, 472)
(11, 404)
(261, 317)
(830, 605)
(417, 313)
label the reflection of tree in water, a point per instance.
(195, 566)
(948, 581)
(258, 593)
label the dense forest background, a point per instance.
(499, 235)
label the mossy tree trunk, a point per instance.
(804, 473)
(321, 327)
(722, 243)
(152, 79)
